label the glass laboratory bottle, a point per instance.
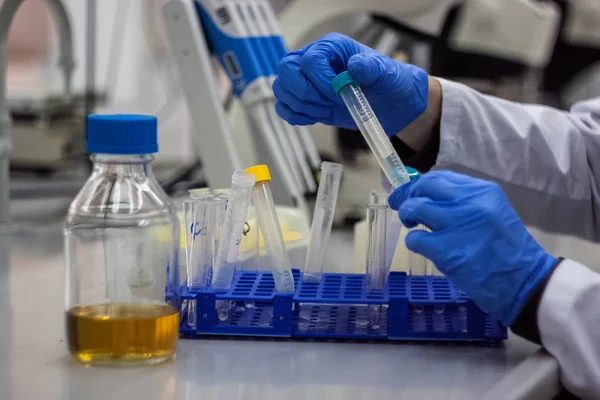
(121, 250)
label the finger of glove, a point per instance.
(421, 210)
(372, 69)
(453, 177)
(299, 106)
(324, 60)
(292, 117)
(400, 195)
(432, 185)
(424, 243)
(293, 80)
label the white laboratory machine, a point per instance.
(244, 36)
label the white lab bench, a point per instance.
(34, 362)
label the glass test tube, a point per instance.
(347, 87)
(262, 198)
(376, 249)
(329, 186)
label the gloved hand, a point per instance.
(397, 92)
(477, 240)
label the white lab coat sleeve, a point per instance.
(546, 160)
(569, 324)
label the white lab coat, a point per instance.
(548, 163)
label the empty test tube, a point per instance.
(201, 193)
(199, 217)
(231, 236)
(262, 198)
(393, 228)
(250, 244)
(347, 87)
(329, 186)
(249, 247)
(419, 265)
(232, 229)
(219, 197)
(376, 248)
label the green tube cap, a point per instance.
(412, 173)
(342, 80)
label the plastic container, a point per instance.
(393, 227)
(347, 87)
(200, 215)
(417, 264)
(122, 245)
(339, 307)
(376, 246)
(262, 199)
(231, 232)
(232, 229)
(329, 186)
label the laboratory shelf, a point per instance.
(339, 306)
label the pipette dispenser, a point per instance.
(244, 37)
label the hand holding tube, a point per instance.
(397, 92)
(477, 239)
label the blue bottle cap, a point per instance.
(412, 173)
(122, 134)
(342, 80)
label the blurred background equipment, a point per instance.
(159, 57)
(120, 56)
(244, 37)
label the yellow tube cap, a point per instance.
(260, 172)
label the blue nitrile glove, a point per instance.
(397, 92)
(477, 239)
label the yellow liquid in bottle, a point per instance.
(122, 333)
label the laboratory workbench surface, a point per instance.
(34, 362)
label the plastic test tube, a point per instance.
(376, 249)
(329, 186)
(262, 198)
(249, 247)
(199, 216)
(419, 265)
(376, 246)
(393, 228)
(239, 198)
(231, 235)
(347, 87)
(221, 197)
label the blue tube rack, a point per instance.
(339, 307)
